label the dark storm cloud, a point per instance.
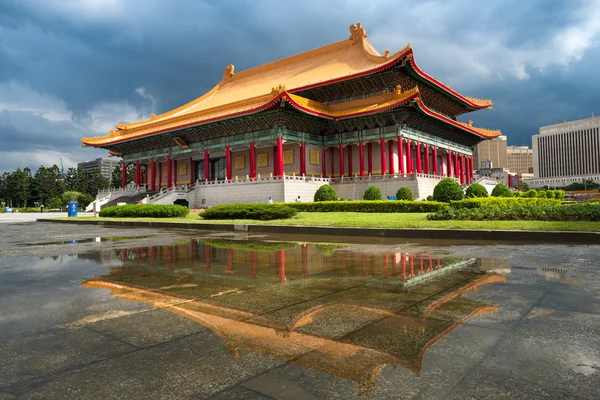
(74, 68)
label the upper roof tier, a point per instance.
(347, 59)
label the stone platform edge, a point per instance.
(571, 237)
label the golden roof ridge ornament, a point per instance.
(357, 33)
(278, 89)
(228, 74)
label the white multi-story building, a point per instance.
(566, 153)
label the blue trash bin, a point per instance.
(72, 209)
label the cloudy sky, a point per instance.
(74, 68)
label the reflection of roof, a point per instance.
(252, 90)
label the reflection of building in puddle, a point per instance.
(559, 275)
(346, 314)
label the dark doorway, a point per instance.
(182, 202)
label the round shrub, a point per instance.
(531, 193)
(447, 190)
(541, 194)
(325, 193)
(372, 193)
(263, 212)
(559, 194)
(55, 202)
(517, 193)
(550, 194)
(430, 198)
(501, 191)
(476, 190)
(404, 193)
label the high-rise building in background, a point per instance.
(105, 165)
(491, 150)
(566, 153)
(519, 159)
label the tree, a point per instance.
(95, 182)
(500, 190)
(404, 193)
(117, 178)
(71, 195)
(523, 186)
(372, 193)
(18, 187)
(325, 193)
(47, 184)
(447, 190)
(583, 185)
(477, 190)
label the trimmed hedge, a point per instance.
(497, 202)
(372, 193)
(370, 206)
(404, 193)
(500, 190)
(525, 213)
(263, 212)
(145, 211)
(447, 190)
(476, 190)
(325, 193)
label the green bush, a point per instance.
(559, 194)
(55, 202)
(145, 211)
(499, 202)
(587, 212)
(430, 198)
(263, 212)
(550, 194)
(84, 199)
(476, 190)
(541, 193)
(404, 193)
(372, 193)
(370, 206)
(501, 191)
(325, 193)
(531, 193)
(68, 196)
(447, 190)
(517, 193)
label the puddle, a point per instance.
(98, 239)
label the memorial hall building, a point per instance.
(342, 114)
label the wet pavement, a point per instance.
(92, 312)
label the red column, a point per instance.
(280, 155)
(361, 158)
(427, 163)
(391, 157)
(303, 158)
(400, 156)
(206, 165)
(152, 175)
(137, 173)
(382, 151)
(435, 161)
(192, 172)
(174, 182)
(341, 155)
(331, 161)
(123, 175)
(370, 158)
(456, 169)
(323, 162)
(471, 171)
(409, 163)
(275, 172)
(449, 162)
(160, 175)
(252, 161)
(227, 163)
(350, 160)
(418, 152)
(461, 169)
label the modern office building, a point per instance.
(106, 166)
(566, 153)
(490, 153)
(519, 159)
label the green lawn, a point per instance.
(386, 220)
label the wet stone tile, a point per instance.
(236, 393)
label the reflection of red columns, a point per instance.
(124, 255)
(152, 175)
(341, 156)
(421, 260)
(123, 175)
(192, 172)
(409, 163)
(304, 260)
(435, 161)
(412, 265)
(462, 172)
(137, 173)
(281, 266)
(153, 254)
(430, 263)
(138, 254)
(280, 156)
(229, 261)
(386, 261)
(382, 150)
(361, 158)
(303, 158)
(253, 263)
(364, 265)
(370, 158)
(343, 263)
(400, 156)
(439, 263)
(332, 161)
(323, 162)
(206, 165)
(403, 259)
(391, 157)
(192, 251)
(228, 163)
(426, 159)
(207, 257)
(325, 263)
(252, 161)
(418, 153)
(169, 255)
(449, 164)
(350, 160)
